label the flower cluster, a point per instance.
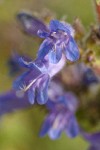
(48, 81)
(35, 83)
(50, 59)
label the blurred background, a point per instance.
(19, 130)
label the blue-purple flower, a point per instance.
(58, 38)
(30, 24)
(79, 75)
(61, 116)
(93, 139)
(89, 77)
(13, 64)
(35, 81)
(12, 101)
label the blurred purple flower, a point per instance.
(30, 24)
(61, 117)
(13, 64)
(35, 81)
(59, 38)
(89, 77)
(55, 90)
(93, 139)
(79, 75)
(12, 101)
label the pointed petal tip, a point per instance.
(72, 129)
(30, 23)
(31, 95)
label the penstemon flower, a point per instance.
(58, 38)
(35, 81)
(61, 116)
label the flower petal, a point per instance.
(15, 63)
(12, 100)
(47, 124)
(72, 129)
(53, 69)
(93, 147)
(31, 95)
(42, 89)
(93, 138)
(30, 23)
(55, 90)
(57, 127)
(42, 34)
(55, 55)
(25, 79)
(44, 49)
(70, 101)
(20, 81)
(31, 65)
(50, 105)
(54, 133)
(71, 50)
(57, 25)
(23, 63)
(89, 77)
